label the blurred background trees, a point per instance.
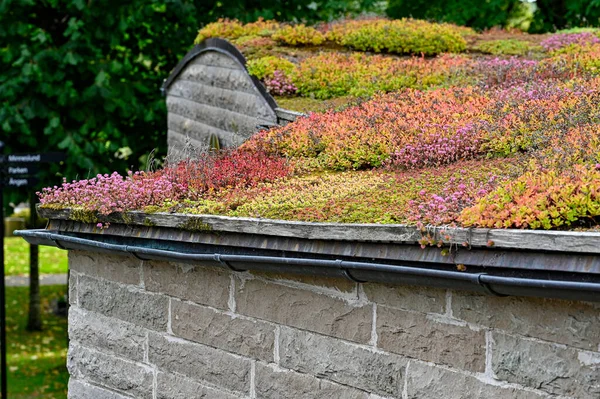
(84, 76)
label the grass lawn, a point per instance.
(16, 252)
(36, 360)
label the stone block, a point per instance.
(204, 285)
(305, 309)
(110, 371)
(170, 386)
(214, 58)
(567, 322)
(429, 381)
(342, 362)
(273, 382)
(123, 302)
(421, 299)
(251, 338)
(81, 390)
(551, 368)
(427, 338)
(334, 284)
(72, 288)
(200, 362)
(107, 334)
(122, 269)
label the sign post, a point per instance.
(16, 171)
(3, 385)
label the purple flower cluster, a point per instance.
(457, 194)
(439, 150)
(279, 84)
(558, 41)
(114, 193)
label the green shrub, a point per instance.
(406, 36)
(298, 35)
(506, 47)
(234, 29)
(265, 67)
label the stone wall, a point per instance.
(162, 330)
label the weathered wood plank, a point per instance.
(384, 252)
(286, 115)
(535, 240)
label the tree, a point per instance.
(309, 11)
(474, 13)
(552, 15)
(84, 77)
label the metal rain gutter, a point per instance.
(355, 271)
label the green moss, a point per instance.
(506, 47)
(306, 105)
(84, 216)
(149, 223)
(195, 224)
(126, 218)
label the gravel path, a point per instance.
(45, 279)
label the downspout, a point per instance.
(354, 271)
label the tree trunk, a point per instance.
(34, 322)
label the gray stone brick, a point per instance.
(423, 337)
(170, 386)
(107, 334)
(273, 382)
(72, 288)
(342, 362)
(421, 299)
(550, 368)
(81, 390)
(204, 285)
(305, 309)
(200, 362)
(251, 338)
(214, 58)
(428, 381)
(123, 302)
(110, 371)
(122, 269)
(571, 323)
(332, 283)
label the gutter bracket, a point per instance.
(217, 258)
(135, 255)
(346, 272)
(59, 245)
(487, 287)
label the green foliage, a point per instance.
(299, 35)
(475, 13)
(83, 77)
(307, 11)
(265, 67)
(234, 29)
(404, 36)
(551, 15)
(506, 47)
